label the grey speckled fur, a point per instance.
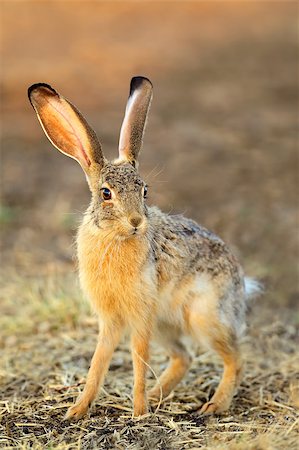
(179, 241)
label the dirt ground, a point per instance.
(221, 146)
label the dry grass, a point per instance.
(51, 335)
(221, 145)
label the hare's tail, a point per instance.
(253, 288)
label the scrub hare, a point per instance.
(160, 276)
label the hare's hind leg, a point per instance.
(180, 361)
(223, 396)
(223, 341)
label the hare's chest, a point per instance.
(111, 271)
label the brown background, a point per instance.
(221, 140)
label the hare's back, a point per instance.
(182, 247)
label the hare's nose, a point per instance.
(135, 220)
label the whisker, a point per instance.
(153, 175)
(151, 171)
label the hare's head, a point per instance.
(118, 192)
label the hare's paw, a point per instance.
(155, 394)
(140, 408)
(211, 407)
(77, 411)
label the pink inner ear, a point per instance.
(63, 125)
(61, 111)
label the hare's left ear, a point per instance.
(131, 133)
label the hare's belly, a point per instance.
(178, 299)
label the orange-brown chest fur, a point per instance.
(114, 272)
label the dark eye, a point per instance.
(145, 191)
(106, 193)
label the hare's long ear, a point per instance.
(131, 133)
(65, 127)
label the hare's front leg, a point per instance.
(140, 356)
(109, 336)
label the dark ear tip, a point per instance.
(40, 85)
(137, 82)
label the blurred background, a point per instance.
(220, 144)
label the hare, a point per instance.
(159, 276)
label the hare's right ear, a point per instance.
(65, 127)
(131, 133)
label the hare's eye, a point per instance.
(145, 191)
(106, 193)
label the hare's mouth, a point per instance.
(132, 228)
(137, 232)
(121, 228)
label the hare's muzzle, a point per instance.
(137, 222)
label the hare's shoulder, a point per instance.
(181, 229)
(187, 246)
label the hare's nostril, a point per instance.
(135, 220)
